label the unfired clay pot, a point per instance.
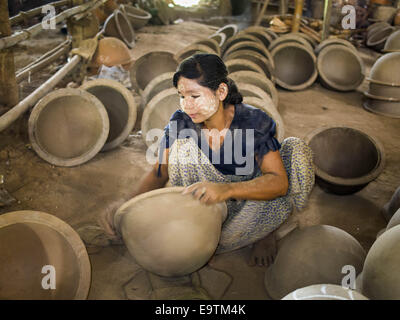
(381, 277)
(334, 41)
(310, 256)
(191, 50)
(289, 38)
(68, 127)
(118, 25)
(219, 37)
(345, 159)
(252, 46)
(168, 233)
(340, 68)
(235, 65)
(212, 44)
(150, 65)
(240, 37)
(324, 292)
(393, 42)
(31, 240)
(229, 30)
(120, 105)
(391, 207)
(155, 86)
(260, 33)
(137, 17)
(394, 221)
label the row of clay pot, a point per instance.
(383, 95)
(68, 127)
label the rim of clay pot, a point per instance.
(145, 15)
(271, 111)
(327, 80)
(240, 37)
(254, 46)
(272, 33)
(222, 37)
(213, 44)
(267, 82)
(376, 38)
(244, 62)
(375, 97)
(368, 107)
(334, 41)
(132, 112)
(164, 55)
(224, 29)
(255, 91)
(151, 105)
(115, 18)
(197, 48)
(241, 54)
(395, 36)
(350, 181)
(121, 210)
(42, 104)
(312, 78)
(262, 35)
(69, 234)
(154, 83)
(305, 36)
(289, 38)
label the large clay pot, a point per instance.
(334, 41)
(258, 80)
(324, 292)
(117, 25)
(377, 39)
(158, 111)
(390, 207)
(340, 68)
(150, 65)
(384, 106)
(212, 44)
(290, 38)
(32, 240)
(68, 127)
(295, 66)
(345, 159)
(383, 13)
(381, 279)
(235, 65)
(396, 21)
(120, 105)
(261, 34)
(137, 17)
(168, 233)
(311, 256)
(219, 37)
(240, 37)
(250, 90)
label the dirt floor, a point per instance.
(78, 195)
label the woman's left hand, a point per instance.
(209, 192)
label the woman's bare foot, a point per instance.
(106, 219)
(264, 251)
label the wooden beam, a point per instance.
(9, 93)
(262, 13)
(298, 12)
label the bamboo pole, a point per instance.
(8, 84)
(23, 15)
(9, 117)
(47, 54)
(27, 33)
(262, 13)
(298, 12)
(327, 19)
(42, 64)
(283, 7)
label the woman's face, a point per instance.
(198, 102)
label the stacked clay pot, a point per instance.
(68, 127)
(118, 25)
(339, 65)
(383, 95)
(377, 34)
(137, 17)
(393, 42)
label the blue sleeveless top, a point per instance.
(262, 137)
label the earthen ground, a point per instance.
(78, 195)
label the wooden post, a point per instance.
(298, 12)
(283, 7)
(9, 95)
(327, 19)
(262, 13)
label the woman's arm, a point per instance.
(272, 184)
(151, 180)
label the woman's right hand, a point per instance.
(106, 218)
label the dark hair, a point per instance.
(209, 71)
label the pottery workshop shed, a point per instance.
(94, 207)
